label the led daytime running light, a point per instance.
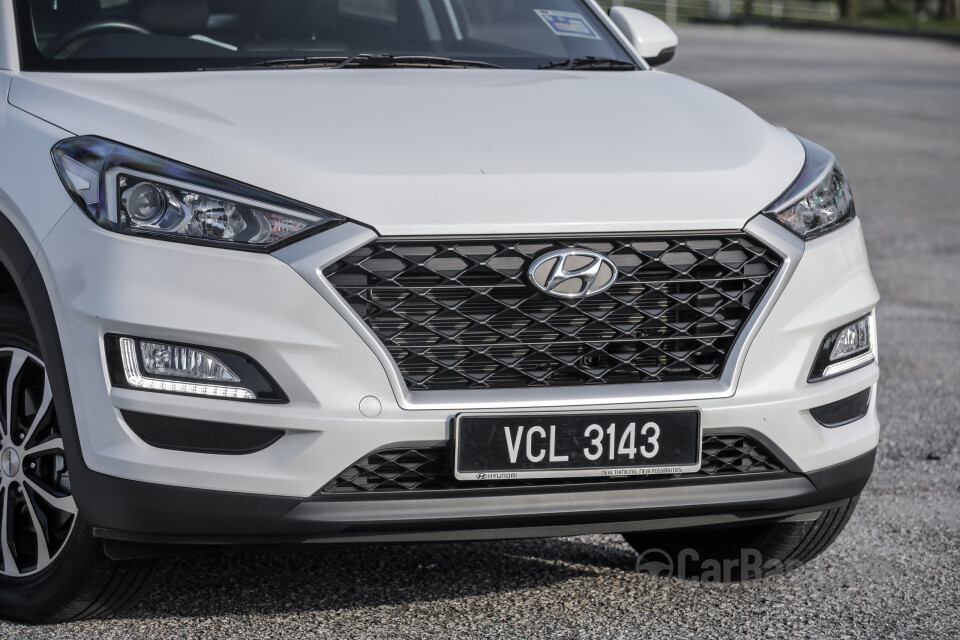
(847, 365)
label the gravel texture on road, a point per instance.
(890, 109)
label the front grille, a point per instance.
(461, 314)
(429, 469)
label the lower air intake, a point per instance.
(408, 469)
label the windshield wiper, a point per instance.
(375, 60)
(391, 60)
(317, 61)
(590, 62)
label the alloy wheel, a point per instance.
(37, 510)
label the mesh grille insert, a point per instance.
(430, 469)
(462, 314)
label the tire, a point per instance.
(53, 569)
(733, 554)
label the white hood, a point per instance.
(445, 151)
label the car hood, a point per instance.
(444, 151)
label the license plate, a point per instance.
(505, 447)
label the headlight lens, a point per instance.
(131, 191)
(147, 205)
(820, 200)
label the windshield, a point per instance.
(172, 35)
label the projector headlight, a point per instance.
(820, 200)
(135, 192)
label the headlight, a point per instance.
(820, 200)
(135, 192)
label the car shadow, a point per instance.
(228, 582)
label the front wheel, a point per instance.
(52, 569)
(739, 553)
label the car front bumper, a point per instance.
(138, 517)
(277, 309)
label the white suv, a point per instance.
(327, 271)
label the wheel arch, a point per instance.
(19, 273)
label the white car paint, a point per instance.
(409, 153)
(449, 151)
(327, 369)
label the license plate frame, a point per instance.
(585, 469)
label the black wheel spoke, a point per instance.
(53, 444)
(17, 359)
(9, 564)
(43, 552)
(61, 503)
(46, 406)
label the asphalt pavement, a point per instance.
(890, 109)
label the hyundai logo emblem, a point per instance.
(10, 462)
(572, 273)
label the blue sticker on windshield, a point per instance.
(565, 23)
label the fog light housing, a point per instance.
(844, 349)
(152, 365)
(181, 367)
(180, 362)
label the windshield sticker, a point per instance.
(565, 23)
